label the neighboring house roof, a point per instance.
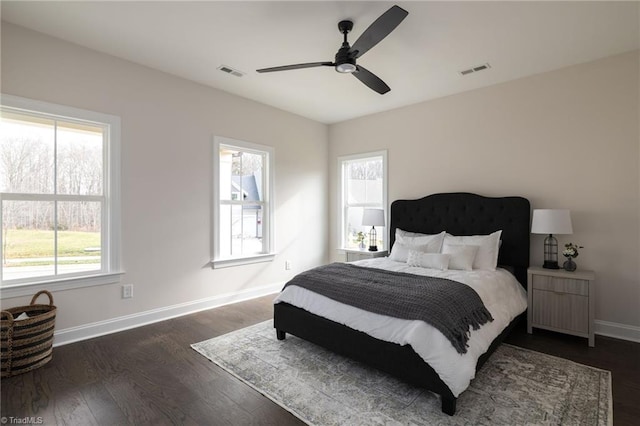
(248, 186)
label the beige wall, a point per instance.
(167, 129)
(563, 139)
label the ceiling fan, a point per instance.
(345, 59)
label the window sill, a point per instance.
(16, 290)
(227, 263)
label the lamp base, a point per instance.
(373, 248)
(549, 264)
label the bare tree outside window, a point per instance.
(51, 182)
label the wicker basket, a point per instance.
(27, 344)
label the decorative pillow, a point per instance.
(428, 260)
(462, 256)
(488, 248)
(413, 238)
(400, 251)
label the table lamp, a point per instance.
(549, 222)
(373, 217)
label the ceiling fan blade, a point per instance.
(377, 31)
(297, 66)
(371, 80)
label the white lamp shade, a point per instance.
(551, 221)
(373, 217)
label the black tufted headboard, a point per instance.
(462, 213)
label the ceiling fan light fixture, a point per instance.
(345, 68)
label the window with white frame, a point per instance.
(363, 184)
(58, 193)
(243, 182)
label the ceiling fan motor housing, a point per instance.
(345, 62)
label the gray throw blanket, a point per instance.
(449, 306)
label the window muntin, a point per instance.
(363, 185)
(242, 211)
(58, 194)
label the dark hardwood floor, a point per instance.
(150, 375)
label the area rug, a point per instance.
(515, 387)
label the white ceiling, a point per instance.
(420, 60)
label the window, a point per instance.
(243, 230)
(363, 184)
(58, 194)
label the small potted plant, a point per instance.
(360, 237)
(570, 252)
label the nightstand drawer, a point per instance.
(561, 285)
(562, 311)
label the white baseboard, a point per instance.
(100, 328)
(619, 331)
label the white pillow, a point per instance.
(428, 260)
(462, 256)
(400, 251)
(488, 248)
(400, 233)
(413, 238)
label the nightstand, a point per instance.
(561, 301)
(353, 255)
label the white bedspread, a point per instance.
(500, 292)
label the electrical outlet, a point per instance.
(287, 265)
(127, 291)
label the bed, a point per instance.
(458, 214)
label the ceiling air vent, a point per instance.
(230, 70)
(475, 69)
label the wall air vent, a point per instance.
(229, 70)
(475, 69)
